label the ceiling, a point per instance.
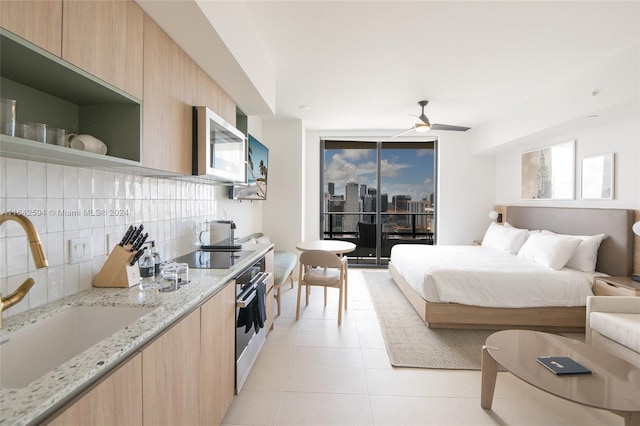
(347, 65)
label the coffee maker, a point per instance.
(221, 236)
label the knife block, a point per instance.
(116, 271)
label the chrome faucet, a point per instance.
(39, 259)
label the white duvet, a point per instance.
(482, 276)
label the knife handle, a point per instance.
(135, 234)
(139, 242)
(137, 256)
(126, 236)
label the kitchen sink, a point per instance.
(35, 349)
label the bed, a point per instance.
(481, 287)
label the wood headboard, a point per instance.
(616, 254)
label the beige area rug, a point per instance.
(410, 343)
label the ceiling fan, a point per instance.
(425, 125)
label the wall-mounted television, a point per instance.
(257, 172)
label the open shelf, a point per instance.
(52, 91)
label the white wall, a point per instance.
(284, 209)
(616, 130)
(466, 190)
(599, 108)
(606, 85)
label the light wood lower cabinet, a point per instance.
(170, 371)
(116, 400)
(186, 376)
(217, 348)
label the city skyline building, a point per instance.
(406, 215)
(352, 205)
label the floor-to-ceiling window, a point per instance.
(378, 194)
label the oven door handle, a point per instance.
(244, 298)
(247, 297)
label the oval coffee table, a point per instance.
(613, 384)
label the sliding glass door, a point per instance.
(378, 194)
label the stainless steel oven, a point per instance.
(251, 288)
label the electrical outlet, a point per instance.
(79, 250)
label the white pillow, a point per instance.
(506, 239)
(549, 250)
(585, 256)
(508, 225)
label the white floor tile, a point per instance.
(254, 408)
(327, 380)
(310, 357)
(333, 339)
(314, 372)
(303, 409)
(267, 378)
(376, 358)
(276, 356)
(423, 382)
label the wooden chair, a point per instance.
(322, 269)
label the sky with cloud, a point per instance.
(403, 171)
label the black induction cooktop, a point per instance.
(213, 259)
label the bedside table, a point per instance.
(616, 286)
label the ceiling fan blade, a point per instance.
(403, 133)
(436, 126)
(422, 117)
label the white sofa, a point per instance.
(613, 323)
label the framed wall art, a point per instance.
(549, 173)
(598, 177)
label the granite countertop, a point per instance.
(43, 396)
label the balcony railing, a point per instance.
(397, 228)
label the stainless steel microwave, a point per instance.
(219, 149)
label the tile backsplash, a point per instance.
(66, 202)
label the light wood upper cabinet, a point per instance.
(117, 400)
(217, 348)
(173, 85)
(105, 38)
(226, 107)
(170, 375)
(38, 21)
(166, 140)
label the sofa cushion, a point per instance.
(621, 328)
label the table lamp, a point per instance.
(636, 230)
